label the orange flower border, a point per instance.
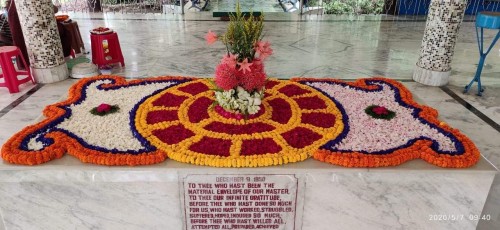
(13, 152)
(62, 143)
(420, 149)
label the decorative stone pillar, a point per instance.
(42, 40)
(441, 32)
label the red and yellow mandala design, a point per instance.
(293, 123)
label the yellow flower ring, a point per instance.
(294, 122)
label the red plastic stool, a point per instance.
(106, 49)
(72, 54)
(9, 72)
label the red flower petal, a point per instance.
(161, 116)
(323, 120)
(194, 88)
(270, 84)
(239, 129)
(103, 108)
(293, 90)
(282, 111)
(199, 109)
(173, 134)
(258, 147)
(212, 146)
(300, 137)
(169, 100)
(310, 103)
(379, 110)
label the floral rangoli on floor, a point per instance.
(371, 122)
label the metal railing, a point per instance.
(388, 7)
(344, 6)
(121, 6)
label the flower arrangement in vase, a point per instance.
(240, 77)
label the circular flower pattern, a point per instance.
(295, 121)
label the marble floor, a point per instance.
(309, 46)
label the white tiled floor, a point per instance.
(326, 46)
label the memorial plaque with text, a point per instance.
(240, 201)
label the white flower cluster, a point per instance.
(240, 100)
(112, 131)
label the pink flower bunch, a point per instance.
(227, 76)
(263, 49)
(102, 108)
(246, 71)
(255, 79)
(211, 37)
(230, 59)
(380, 110)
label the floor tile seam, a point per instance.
(19, 100)
(471, 108)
